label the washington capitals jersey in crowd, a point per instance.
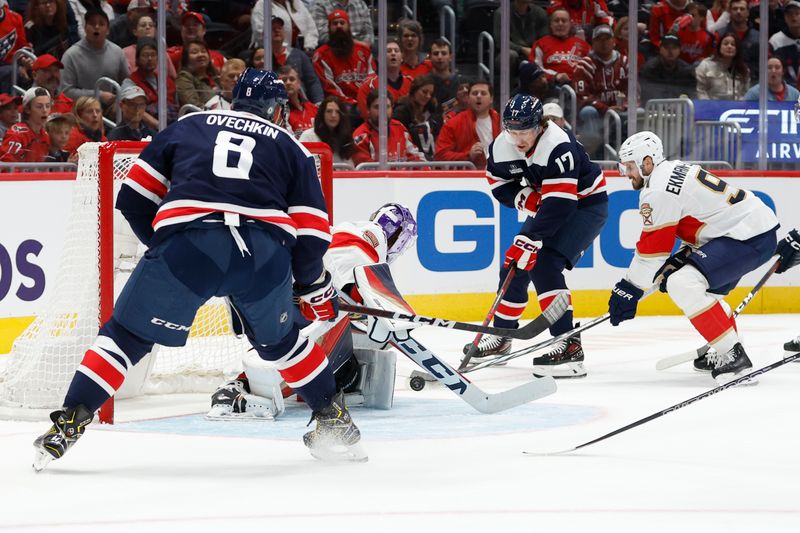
(218, 162)
(557, 167)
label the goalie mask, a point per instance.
(398, 225)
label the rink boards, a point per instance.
(453, 271)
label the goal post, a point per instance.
(98, 254)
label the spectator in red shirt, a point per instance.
(146, 77)
(409, 36)
(47, 74)
(399, 145)
(585, 13)
(467, 136)
(559, 52)
(301, 111)
(89, 127)
(193, 27)
(59, 126)
(342, 64)
(12, 38)
(662, 17)
(397, 83)
(696, 42)
(27, 141)
(621, 37)
(9, 112)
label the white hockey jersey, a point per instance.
(354, 244)
(684, 201)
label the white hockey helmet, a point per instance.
(638, 146)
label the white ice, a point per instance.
(727, 463)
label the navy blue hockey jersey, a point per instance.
(557, 167)
(229, 162)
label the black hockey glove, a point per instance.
(623, 302)
(672, 265)
(789, 251)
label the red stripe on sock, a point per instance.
(305, 367)
(97, 364)
(509, 311)
(712, 323)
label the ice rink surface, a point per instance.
(727, 463)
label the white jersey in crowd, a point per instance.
(684, 201)
(354, 244)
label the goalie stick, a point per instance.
(464, 388)
(685, 357)
(473, 348)
(529, 331)
(738, 381)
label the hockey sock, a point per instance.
(514, 302)
(548, 278)
(105, 365)
(716, 327)
(304, 367)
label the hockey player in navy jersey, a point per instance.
(228, 204)
(541, 170)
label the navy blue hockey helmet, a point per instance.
(522, 112)
(260, 92)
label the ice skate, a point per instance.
(731, 365)
(336, 437)
(489, 346)
(228, 399)
(564, 360)
(67, 428)
(793, 346)
(704, 362)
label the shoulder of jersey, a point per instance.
(550, 139)
(660, 176)
(502, 149)
(367, 230)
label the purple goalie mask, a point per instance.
(399, 226)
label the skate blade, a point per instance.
(226, 415)
(724, 379)
(41, 460)
(340, 453)
(562, 371)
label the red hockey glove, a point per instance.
(522, 251)
(318, 301)
(527, 201)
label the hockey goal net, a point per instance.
(99, 253)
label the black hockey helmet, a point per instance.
(522, 112)
(261, 92)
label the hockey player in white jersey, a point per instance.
(363, 371)
(728, 232)
(789, 254)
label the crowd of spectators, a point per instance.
(325, 53)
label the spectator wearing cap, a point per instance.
(81, 7)
(145, 26)
(409, 37)
(93, 57)
(359, 19)
(51, 27)
(193, 28)
(467, 136)
(559, 52)
(59, 126)
(552, 111)
(301, 111)
(12, 38)
(47, 74)
(777, 88)
(197, 79)
(9, 112)
(27, 141)
(283, 54)
(397, 83)
(784, 44)
(667, 75)
(533, 81)
(528, 24)
(146, 77)
(132, 127)
(231, 71)
(601, 83)
(123, 29)
(300, 31)
(747, 36)
(342, 64)
(445, 81)
(89, 124)
(663, 15)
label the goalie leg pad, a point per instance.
(377, 377)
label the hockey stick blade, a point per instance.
(529, 331)
(673, 360)
(469, 392)
(738, 381)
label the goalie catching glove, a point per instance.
(318, 301)
(522, 252)
(789, 251)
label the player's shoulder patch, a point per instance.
(646, 211)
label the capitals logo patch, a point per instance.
(7, 42)
(647, 214)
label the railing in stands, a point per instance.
(447, 19)
(103, 81)
(568, 101)
(38, 167)
(610, 148)
(410, 11)
(488, 72)
(672, 119)
(455, 165)
(22, 52)
(719, 140)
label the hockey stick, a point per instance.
(500, 359)
(466, 390)
(489, 316)
(529, 331)
(685, 357)
(733, 383)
